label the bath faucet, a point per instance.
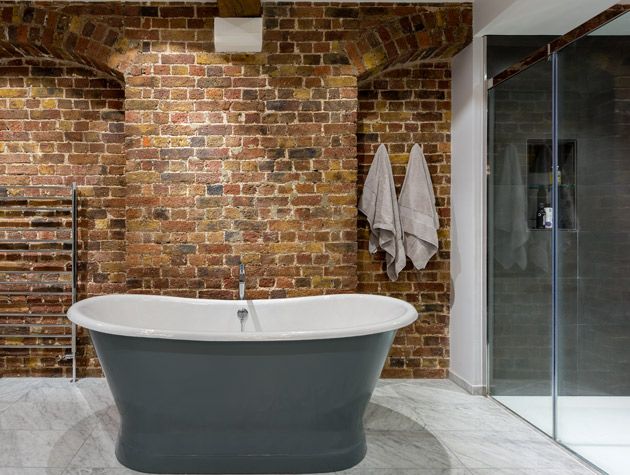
(241, 281)
(242, 317)
(242, 313)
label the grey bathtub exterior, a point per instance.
(241, 406)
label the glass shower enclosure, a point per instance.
(559, 243)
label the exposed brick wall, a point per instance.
(247, 156)
(86, 34)
(241, 156)
(60, 124)
(404, 33)
(398, 108)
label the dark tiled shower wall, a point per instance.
(594, 315)
(598, 69)
(520, 299)
(504, 51)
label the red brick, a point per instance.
(162, 126)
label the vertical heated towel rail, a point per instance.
(38, 271)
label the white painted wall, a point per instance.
(486, 11)
(533, 17)
(468, 132)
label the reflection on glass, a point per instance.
(593, 281)
(519, 256)
(590, 284)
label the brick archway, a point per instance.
(57, 32)
(421, 36)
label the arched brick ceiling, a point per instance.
(425, 35)
(55, 32)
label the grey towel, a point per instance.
(378, 203)
(510, 215)
(418, 215)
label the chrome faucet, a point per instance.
(241, 281)
(241, 313)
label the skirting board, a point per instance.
(462, 383)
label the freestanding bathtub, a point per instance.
(282, 392)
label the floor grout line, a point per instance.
(65, 469)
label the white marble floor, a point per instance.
(421, 427)
(596, 427)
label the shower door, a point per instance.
(559, 244)
(593, 281)
(519, 253)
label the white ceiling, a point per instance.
(534, 17)
(377, 1)
(618, 27)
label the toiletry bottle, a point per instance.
(548, 217)
(540, 216)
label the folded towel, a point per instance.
(378, 203)
(510, 212)
(418, 215)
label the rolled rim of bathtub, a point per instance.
(296, 318)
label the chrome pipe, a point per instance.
(241, 281)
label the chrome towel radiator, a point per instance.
(38, 271)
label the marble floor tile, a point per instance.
(462, 417)
(48, 415)
(383, 383)
(443, 384)
(52, 427)
(381, 417)
(99, 471)
(397, 404)
(406, 449)
(447, 393)
(38, 448)
(446, 409)
(108, 420)
(95, 392)
(96, 452)
(491, 449)
(532, 471)
(31, 471)
(13, 389)
(56, 391)
(405, 471)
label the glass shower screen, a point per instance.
(559, 245)
(593, 280)
(520, 245)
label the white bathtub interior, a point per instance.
(317, 317)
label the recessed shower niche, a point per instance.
(540, 180)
